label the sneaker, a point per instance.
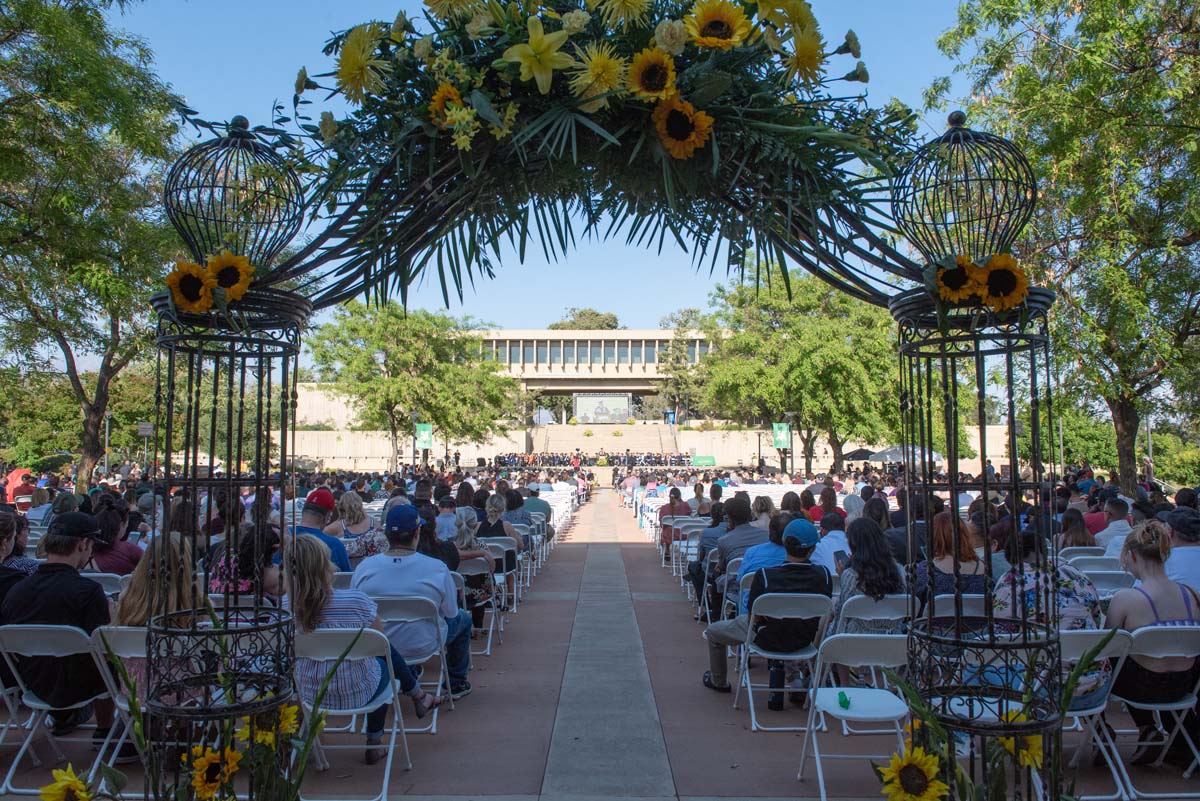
(460, 690)
(62, 728)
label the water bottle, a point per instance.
(775, 699)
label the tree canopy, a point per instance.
(1101, 98)
(586, 319)
(393, 363)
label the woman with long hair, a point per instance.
(853, 506)
(871, 571)
(494, 525)
(971, 570)
(464, 497)
(1074, 533)
(14, 529)
(807, 502)
(826, 504)
(63, 502)
(315, 604)
(356, 528)
(250, 570)
(763, 510)
(790, 502)
(479, 587)
(112, 553)
(876, 509)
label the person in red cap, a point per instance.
(318, 509)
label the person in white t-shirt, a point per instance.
(1112, 536)
(1183, 565)
(833, 540)
(404, 572)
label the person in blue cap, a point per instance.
(401, 571)
(795, 575)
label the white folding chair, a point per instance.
(731, 571)
(479, 567)
(509, 545)
(1089, 564)
(1165, 642)
(403, 610)
(1074, 645)
(325, 645)
(110, 582)
(890, 608)
(1067, 554)
(973, 605)
(45, 641)
(1107, 582)
(866, 704)
(779, 606)
(341, 580)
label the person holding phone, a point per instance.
(833, 541)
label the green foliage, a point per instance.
(1086, 435)
(85, 133)
(682, 386)
(1099, 97)
(392, 363)
(586, 319)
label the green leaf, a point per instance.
(483, 108)
(709, 87)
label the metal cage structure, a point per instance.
(983, 645)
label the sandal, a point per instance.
(424, 703)
(708, 682)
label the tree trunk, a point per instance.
(837, 444)
(808, 441)
(1126, 418)
(395, 436)
(91, 447)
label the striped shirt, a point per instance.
(356, 680)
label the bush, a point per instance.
(707, 425)
(573, 421)
(632, 421)
(618, 433)
(587, 432)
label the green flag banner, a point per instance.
(704, 461)
(425, 436)
(782, 435)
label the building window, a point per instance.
(610, 353)
(529, 353)
(514, 353)
(488, 351)
(569, 353)
(556, 354)
(541, 354)
(692, 352)
(637, 352)
(703, 349)
(651, 354)
(623, 353)
(596, 353)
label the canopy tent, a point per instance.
(857, 455)
(896, 453)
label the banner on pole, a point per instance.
(782, 435)
(425, 436)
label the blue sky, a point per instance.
(230, 57)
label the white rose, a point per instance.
(671, 36)
(478, 24)
(423, 47)
(575, 21)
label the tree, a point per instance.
(85, 133)
(392, 363)
(823, 356)
(586, 319)
(1101, 98)
(682, 384)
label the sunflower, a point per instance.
(624, 12)
(960, 284)
(681, 128)
(717, 24)
(652, 75)
(1003, 283)
(191, 287)
(446, 95)
(1030, 755)
(212, 769)
(599, 72)
(232, 273)
(66, 787)
(913, 777)
(357, 67)
(807, 58)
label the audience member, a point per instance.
(318, 510)
(833, 542)
(967, 577)
(870, 571)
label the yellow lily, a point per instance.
(539, 58)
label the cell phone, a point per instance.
(841, 559)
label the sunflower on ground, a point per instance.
(212, 769)
(961, 283)
(540, 56)
(681, 129)
(717, 24)
(652, 75)
(65, 787)
(598, 75)
(1029, 754)
(808, 54)
(1003, 282)
(624, 12)
(232, 273)
(358, 68)
(191, 287)
(445, 97)
(913, 777)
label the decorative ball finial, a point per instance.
(957, 119)
(240, 123)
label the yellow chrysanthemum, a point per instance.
(1004, 284)
(212, 769)
(191, 287)
(540, 56)
(808, 54)
(232, 273)
(599, 73)
(66, 787)
(794, 13)
(445, 97)
(1030, 754)
(652, 75)
(624, 12)
(453, 9)
(681, 129)
(960, 284)
(465, 123)
(358, 68)
(913, 777)
(505, 129)
(717, 24)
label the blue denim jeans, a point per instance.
(458, 647)
(378, 717)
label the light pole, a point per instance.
(107, 420)
(791, 418)
(415, 416)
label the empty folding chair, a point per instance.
(973, 605)
(44, 641)
(1075, 644)
(1107, 582)
(111, 582)
(1089, 564)
(395, 611)
(779, 606)
(890, 609)
(865, 704)
(1067, 554)
(326, 645)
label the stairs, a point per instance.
(640, 438)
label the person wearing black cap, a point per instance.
(57, 595)
(1183, 565)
